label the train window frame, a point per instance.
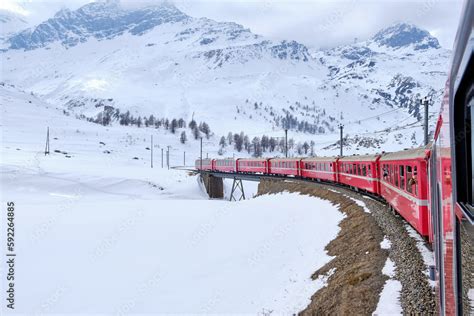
(463, 143)
(390, 173)
(401, 173)
(409, 176)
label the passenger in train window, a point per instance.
(385, 172)
(414, 182)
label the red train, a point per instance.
(432, 188)
(400, 178)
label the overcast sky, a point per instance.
(316, 23)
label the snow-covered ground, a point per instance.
(102, 232)
(389, 303)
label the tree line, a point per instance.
(257, 146)
(110, 115)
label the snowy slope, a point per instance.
(90, 222)
(158, 60)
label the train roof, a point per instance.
(285, 159)
(421, 153)
(360, 158)
(252, 159)
(320, 159)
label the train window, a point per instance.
(364, 170)
(402, 177)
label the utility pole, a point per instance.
(426, 104)
(184, 159)
(341, 127)
(207, 155)
(46, 150)
(161, 157)
(286, 142)
(168, 156)
(200, 157)
(151, 149)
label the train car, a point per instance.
(404, 185)
(360, 172)
(252, 165)
(207, 164)
(284, 166)
(225, 165)
(321, 168)
(451, 177)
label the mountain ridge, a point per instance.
(220, 70)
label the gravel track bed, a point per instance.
(417, 295)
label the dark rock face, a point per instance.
(98, 20)
(403, 34)
(357, 52)
(290, 50)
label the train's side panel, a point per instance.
(323, 170)
(455, 173)
(253, 165)
(224, 165)
(407, 193)
(367, 181)
(284, 167)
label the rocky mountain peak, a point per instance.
(405, 34)
(102, 20)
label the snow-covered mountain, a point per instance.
(158, 60)
(10, 23)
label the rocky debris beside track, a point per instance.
(467, 255)
(354, 277)
(417, 295)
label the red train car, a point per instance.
(207, 164)
(451, 177)
(323, 168)
(225, 165)
(404, 185)
(360, 172)
(284, 166)
(249, 165)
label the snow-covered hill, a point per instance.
(158, 60)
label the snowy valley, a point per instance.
(102, 60)
(118, 90)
